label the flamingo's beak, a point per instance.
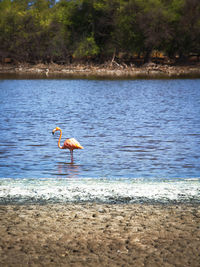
(53, 132)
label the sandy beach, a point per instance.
(99, 235)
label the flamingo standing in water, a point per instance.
(70, 143)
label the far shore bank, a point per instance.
(114, 71)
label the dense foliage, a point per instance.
(65, 30)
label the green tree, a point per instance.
(128, 38)
(46, 30)
(153, 23)
(185, 25)
(87, 48)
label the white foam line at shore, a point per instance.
(97, 190)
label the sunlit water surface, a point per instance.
(141, 141)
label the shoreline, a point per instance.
(99, 235)
(114, 71)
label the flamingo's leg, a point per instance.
(71, 152)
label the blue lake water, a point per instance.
(141, 140)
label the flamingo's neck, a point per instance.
(60, 139)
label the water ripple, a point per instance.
(128, 128)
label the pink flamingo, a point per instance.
(70, 143)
